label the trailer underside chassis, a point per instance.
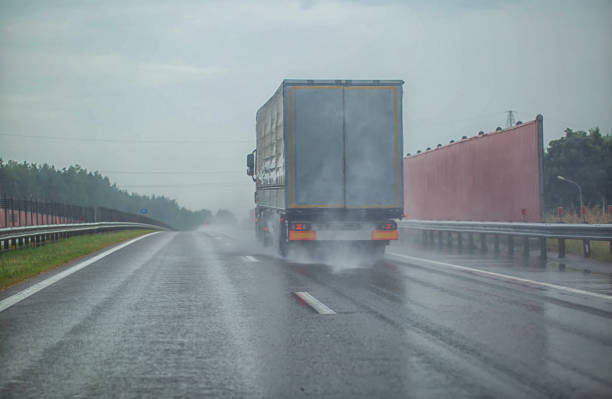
(342, 231)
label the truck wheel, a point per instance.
(283, 248)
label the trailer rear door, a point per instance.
(371, 151)
(344, 145)
(316, 147)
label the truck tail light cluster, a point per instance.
(385, 235)
(300, 227)
(390, 225)
(302, 235)
(301, 231)
(386, 231)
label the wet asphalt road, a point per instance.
(203, 314)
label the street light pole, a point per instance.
(577, 185)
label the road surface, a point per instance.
(208, 313)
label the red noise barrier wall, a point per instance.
(490, 177)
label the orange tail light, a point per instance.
(302, 235)
(385, 235)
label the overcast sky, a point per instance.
(110, 79)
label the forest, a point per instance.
(584, 158)
(78, 186)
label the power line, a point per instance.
(122, 172)
(218, 184)
(436, 121)
(138, 141)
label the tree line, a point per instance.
(585, 158)
(78, 186)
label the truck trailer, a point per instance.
(328, 164)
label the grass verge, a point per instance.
(600, 250)
(21, 264)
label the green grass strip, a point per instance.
(600, 250)
(21, 264)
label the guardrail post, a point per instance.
(543, 248)
(561, 245)
(471, 241)
(12, 206)
(525, 245)
(459, 240)
(449, 239)
(25, 212)
(5, 206)
(496, 242)
(511, 245)
(483, 242)
(586, 245)
(440, 241)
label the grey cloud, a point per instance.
(201, 70)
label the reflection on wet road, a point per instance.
(204, 314)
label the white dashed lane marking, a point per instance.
(321, 308)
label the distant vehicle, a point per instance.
(328, 164)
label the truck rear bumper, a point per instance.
(343, 235)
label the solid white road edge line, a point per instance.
(503, 276)
(314, 303)
(20, 296)
(250, 258)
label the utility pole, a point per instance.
(510, 119)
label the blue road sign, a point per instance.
(144, 211)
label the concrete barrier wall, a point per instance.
(491, 177)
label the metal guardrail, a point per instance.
(542, 231)
(27, 236)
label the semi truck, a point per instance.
(328, 164)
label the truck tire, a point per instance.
(283, 241)
(283, 248)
